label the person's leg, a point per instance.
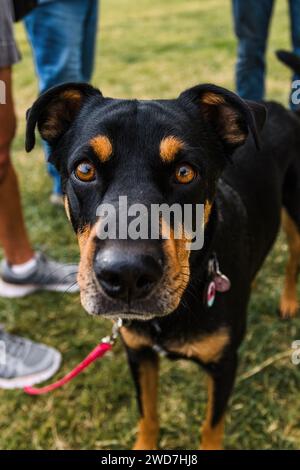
(56, 196)
(251, 22)
(22, 271)
(55, 31)
(23, 362)
(89, 40)
(13, 235)
(295, 28)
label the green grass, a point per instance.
(147, 48)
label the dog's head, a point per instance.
(153, 152)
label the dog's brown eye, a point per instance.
(85, 171)
(185, 173)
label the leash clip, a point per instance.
(114, 332)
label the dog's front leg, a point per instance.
(220, 383)
(144, 366)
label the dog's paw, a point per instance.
(211, 446)
(142, 444)
(288, 308)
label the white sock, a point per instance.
(24, 268)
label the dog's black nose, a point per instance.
(127, 276)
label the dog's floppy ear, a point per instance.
(227, 114)
(54, 111)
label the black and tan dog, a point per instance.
(207, 146)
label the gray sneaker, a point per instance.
(24, 363)
(46, 275)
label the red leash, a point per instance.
(99, 351)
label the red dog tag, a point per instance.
(210, 294)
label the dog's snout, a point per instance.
(127, 276)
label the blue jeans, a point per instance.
(251, 20)
(62, 34)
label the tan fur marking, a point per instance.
(52, 127)
(71, 95)
(232, 132)
(62, 109)
(133, 340)
(87, 247)
(228, 123)
(148, 427)
(177, 263)
(83, 236)
(207, 349)
(212, 99)
(207, 211)
(67, 207)
(169, 147)
(289, 303)
(102, 147)
(212, 437)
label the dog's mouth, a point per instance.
(131, 315)
(97, 303)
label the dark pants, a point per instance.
(252, 20)
(63, 35)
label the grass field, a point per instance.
(147, 48)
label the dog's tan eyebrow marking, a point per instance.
(102, 146)
(169, 147)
